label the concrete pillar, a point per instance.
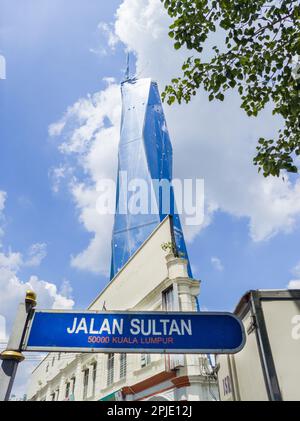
(62, 388)
(48, 393)
(99, 377)
(90, 383)
(185, 298)
(78, 391)
(188, 290)
(177, 267)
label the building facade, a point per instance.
(150, 271)
(152, 280)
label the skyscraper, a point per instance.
(145, 159)
(145, 276)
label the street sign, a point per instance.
(134, 332)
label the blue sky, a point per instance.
(56, 54)
(49, 66)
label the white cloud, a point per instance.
(58, 175)
(215, 141)
(107, 40)
(294, 284)
(296, 270)
(2, 206)
(2, 67)
(13, 289)
(211, 140)
(11, 261)
(36, 254)
(92, 135)
(23, 376)
(96, 256)
(66, 288)
(107, 30)
(3, 335)
(109, 80)
(55, 129)
(2, 200)
(217, 264)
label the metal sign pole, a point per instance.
(12, 356)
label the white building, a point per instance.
(151, 280)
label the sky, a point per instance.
(59, 131)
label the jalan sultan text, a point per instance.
(145, 327)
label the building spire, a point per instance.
(145, 153)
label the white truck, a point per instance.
(268, 367)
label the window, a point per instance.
(47, 368)
(52, 397)
(73, 380)
(68, 387)
(58, 356)
(227, 386)
(168, 303)
(123, 366)
(57, 394)
(85, 382)
(53, 361)
(94, 365)
(110, 369)
(145, 360)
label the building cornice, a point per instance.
(148, 383)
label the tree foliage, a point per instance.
(261, 41)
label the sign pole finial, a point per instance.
(12, 356)
(30, 298)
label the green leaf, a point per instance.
(260, 43)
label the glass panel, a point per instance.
(94, 377)
(168, 299)
(123, 366)
(85, 383)
(67, 390)
(145, 153)
(110, 369)
(145, 360)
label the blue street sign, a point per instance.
(151, 332)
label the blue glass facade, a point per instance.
(145, 158)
